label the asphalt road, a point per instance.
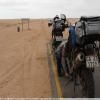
(66, 86)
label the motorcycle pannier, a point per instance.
(91, 25)
(90, 28)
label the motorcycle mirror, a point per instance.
(50, 23)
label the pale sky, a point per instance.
(48, 8)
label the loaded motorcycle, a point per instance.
(82, 60)
(58, 26)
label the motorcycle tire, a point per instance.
(87, 83)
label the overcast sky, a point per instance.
(48, 8)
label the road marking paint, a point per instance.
(54, 67)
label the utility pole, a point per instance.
(22, 25)
(28, 24)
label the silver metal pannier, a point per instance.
(92, 27)
(88, 29)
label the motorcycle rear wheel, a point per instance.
(87, 83)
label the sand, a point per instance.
(24, 68)
(24, 71)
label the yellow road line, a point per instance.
(54, 67)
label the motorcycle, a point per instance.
(57, 32)
(58, 27)
(82, 61)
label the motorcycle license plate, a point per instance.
(59, 38)
(92, 62)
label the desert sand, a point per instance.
(24, 68)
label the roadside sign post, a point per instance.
(25, 21)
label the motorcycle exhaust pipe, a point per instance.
(79, 59)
